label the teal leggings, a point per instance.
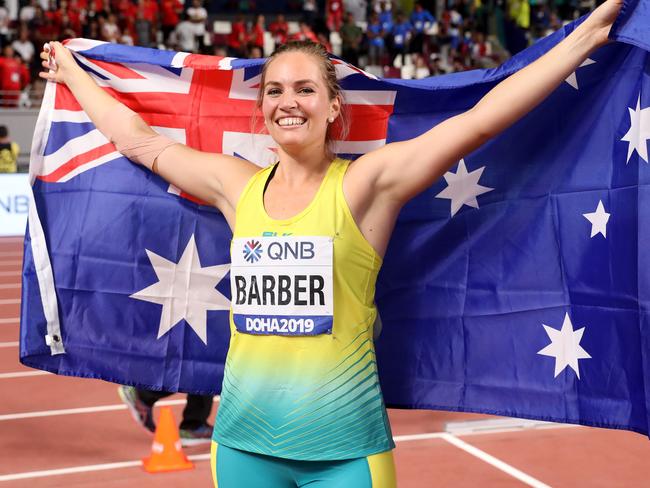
(232, 468)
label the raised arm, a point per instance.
(401, 170)
(214, 178)
(379, 183)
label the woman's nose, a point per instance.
(288, 100)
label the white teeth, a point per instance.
(291, 121)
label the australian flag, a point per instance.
(518, 284)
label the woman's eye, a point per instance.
(273, 91)
(306, 90)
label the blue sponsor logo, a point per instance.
(252, 251)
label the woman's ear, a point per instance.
(335, 108)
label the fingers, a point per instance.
(48, 62)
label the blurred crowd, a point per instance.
(389, 38)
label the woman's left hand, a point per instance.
(601, 19)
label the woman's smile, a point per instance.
(290, 121)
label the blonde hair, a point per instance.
(340, 127)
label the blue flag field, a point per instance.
(518, 284)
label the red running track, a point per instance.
(60, 431)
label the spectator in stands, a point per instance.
(482, 51)
(351, 37)
(110, 30)
(247, 5)
(183, 36)
(376, 43)
(323, 40)
(23, 46)
(91, 30)
(127, 37)
(334, 14)
(519, 12)
(304, 33)
(309, 9)
(14, 77)
(71, 9)
(9, 152)
(89, 16)
(421, 68)
(279, 30)
(170, 11)
(66, 29)
(255, 52)
(28, 11)
(400, 37)
(53, 13)
(144, 28)
(198, 15)
(42, 28)
(127, 12)
(256, 34)
(422, 20)
(150, 12)
(237, 38)
(386, 17)
(358, 8)
(4, 23)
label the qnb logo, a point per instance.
(252, 251)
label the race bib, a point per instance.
(282, 285)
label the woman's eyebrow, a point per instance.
(297, 82)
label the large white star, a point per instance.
(598, 220)
(572, 79)
(565, 347)
(185, 290)
(463, 187)
(639, 133)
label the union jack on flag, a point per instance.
(518, 284)
(206, 102)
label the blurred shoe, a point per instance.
(141, 412)
(194, 437)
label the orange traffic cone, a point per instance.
(166, 451)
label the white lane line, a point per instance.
(11, 320)
(497, 463)
(9, 344)
(76, 411)
(10, 301)
(204, 457)
(22, 374)
(86, 469)
(417, 437)
(10, 286)
(10, 273)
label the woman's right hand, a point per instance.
(57, 61)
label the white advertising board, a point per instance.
(14, 203)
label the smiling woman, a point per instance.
(308, 90)
(301, 402)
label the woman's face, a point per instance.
(296, 104)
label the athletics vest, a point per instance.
(300, 379)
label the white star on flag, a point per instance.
(463, 187)
(598, 220)
(572, 79)
(565, 346)
(639, 133)
(185, 290)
